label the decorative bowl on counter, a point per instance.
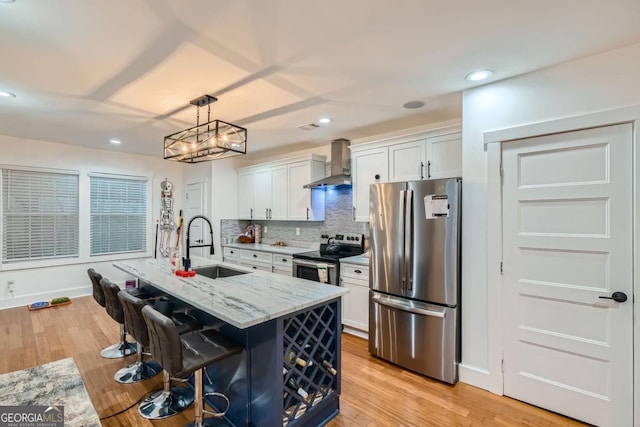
(246, 239)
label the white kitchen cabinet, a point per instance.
(355, 304)
(256, 260)
(283, 264)
(305, 204)
(407, 161)
(367, 167)
(444, 156)
(274, 191)
(246, 192)
(231, 255)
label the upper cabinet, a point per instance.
(367, 167)
(274, 191)
(426, 155)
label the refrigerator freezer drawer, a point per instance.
(418, 336)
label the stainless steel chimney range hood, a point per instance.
(340, 167)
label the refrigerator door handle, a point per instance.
(404, 306)
(403, 268)
(408, 236)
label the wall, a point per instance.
(338, 218)
(68, 277)
(600, 82)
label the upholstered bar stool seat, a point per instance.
(134, 323)
(114, 309)
(186, 354)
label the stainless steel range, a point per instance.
(324, 265)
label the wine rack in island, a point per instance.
(311, 361)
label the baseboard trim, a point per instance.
(24, 300)
(356, 332)
(474, 376)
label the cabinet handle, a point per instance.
(254, 267)
(270, 214)
(377, 177)
(284, 260)
(421, 170)
(429, 169)
(307, 214)
(251, 215)
(231, 252)
(354, 213)
(357, 271)
(255, 256)
(266, 213)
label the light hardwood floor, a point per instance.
(374, 393)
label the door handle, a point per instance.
(617, 297)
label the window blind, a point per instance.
(118, 215)
(39, 215)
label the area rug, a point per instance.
(52, 384)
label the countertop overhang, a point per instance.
(242, 301)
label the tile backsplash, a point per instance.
(338, 218)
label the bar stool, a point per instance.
(114, 309)
(170, 400)
(134, 323)
(186, 354)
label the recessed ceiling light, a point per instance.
(325, 120)
(411, 105)
(115, 141)
(479, 75)
(7, 94)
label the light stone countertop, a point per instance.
(358, 259)
(242, 301)
(263, 247)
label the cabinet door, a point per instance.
(356, 304)
(245, 194)
(444, 156)
(407, 161)
(278, 205)
(369, 167)
(262, 195)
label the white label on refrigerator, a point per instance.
(436, 206)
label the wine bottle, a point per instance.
(295, 386)
(328, 366)
(291, 357)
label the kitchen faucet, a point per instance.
(211, 252)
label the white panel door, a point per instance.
(406, 161)
(246, 191)
(369, 167)
(444, 156)
(567, 212)
(195, 206)
(278, 206)
(262, 196)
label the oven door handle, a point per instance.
(312, 264)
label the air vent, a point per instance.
(310, 126)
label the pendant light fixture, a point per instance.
(212, 140)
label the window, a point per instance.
(39, 214)
(118, 214)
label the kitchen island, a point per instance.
(289, 373)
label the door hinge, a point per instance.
(501, 267)
(501, 170)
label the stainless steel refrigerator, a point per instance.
(414, 277)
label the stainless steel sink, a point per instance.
(216, 271)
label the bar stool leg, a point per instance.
(121, 349)
(138, 371)
(200, 421)
(167, 402)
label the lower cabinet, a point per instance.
(355, 307)
(258, 260)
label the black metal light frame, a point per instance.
(212, 140)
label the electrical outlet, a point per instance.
(10, 286)
(265, 229)
(297, 231)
